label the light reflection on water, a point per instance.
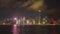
(32, 29)
(15, 29)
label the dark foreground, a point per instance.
(32, 29)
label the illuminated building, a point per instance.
(33, 22)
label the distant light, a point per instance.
(3, 23)
(27, 21)
(44, 19)
(39, 10)
(15, 18)
(17, 22)
(33, 21)
(43, 22)
(15, 25)
(39, 23)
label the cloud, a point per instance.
(36, 5)
(29, 4)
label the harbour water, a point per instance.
(30, 29)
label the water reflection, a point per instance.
(15, 29)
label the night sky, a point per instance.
(17, 7)
(11, 12)
(53, 8)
